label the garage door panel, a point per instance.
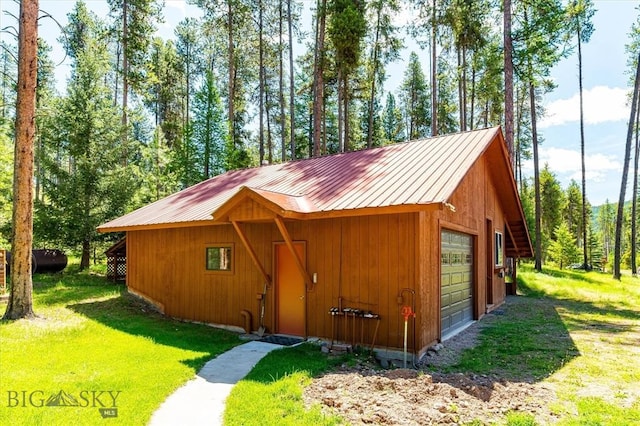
(456, 280)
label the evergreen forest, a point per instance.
(142, 116)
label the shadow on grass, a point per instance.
(525, 340)
(129, 315)
(528, 340)
(577, 274)
(64, 288)
(580, 307)
(305, 357)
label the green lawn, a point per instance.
(275, 387)
(597, 382)
(100, 346)
(577, 332)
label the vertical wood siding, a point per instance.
(364, 261)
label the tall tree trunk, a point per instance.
(459, 76)
(585, 260)
(508, 78)
(434, 72)
(125, 84)
(634, 200)
(374, 73)
(261, 83)
(268, 122)
(115, 90)
(186, 125)
(340, 113)
(625, 173)
(208, 142)
(347, 130)
(85, 258)
(473, 98)
(464, 89)
(231, 84)
(292, 121)
(520, 100)
(318, 78)
(283, 133)
(536, 174)
(20, 300)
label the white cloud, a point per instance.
(601, 104)
(403, 18)
(177, 4)
(566, 164)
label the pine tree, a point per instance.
(539, 46)
(20, 299)
(89, 187)
(8, 78)
(210, 134)
(392, 126)
(164, 95)
(385, 47)
(137, 19)
(563, 249)
(6, 184)
(158, 177)
(552, 202)
(573, 210)
(580, 13)
(347, 28)
(414, 97)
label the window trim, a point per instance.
(231, 247)
(498, 250)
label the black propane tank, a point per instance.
(44, 261)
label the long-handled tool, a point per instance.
(261, 329)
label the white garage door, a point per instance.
(456, 277)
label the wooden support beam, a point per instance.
(513, 240)
(289, 242)
(252, 253)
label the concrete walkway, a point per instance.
(201, 400)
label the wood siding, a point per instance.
(475, 200)
(361, 263)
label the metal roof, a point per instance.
(416, 173)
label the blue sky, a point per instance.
(606, 84)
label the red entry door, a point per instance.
(290, 291)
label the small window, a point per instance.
(220, 258)
(498, 249)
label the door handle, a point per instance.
(301, 297)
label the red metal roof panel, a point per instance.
(419, 172)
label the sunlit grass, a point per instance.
(272, 393)
(91, 337)
(602, 316)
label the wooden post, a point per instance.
(252, 253)
(3, 270)
(289, 242)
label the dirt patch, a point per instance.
(410, 397)
(364, 394)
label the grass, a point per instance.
(575, 331)
(272, 393)
(597, 383)
(533, 335)
(91, 337)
